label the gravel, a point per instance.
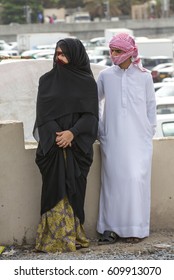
(158, 246)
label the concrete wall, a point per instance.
(157, 28)
(20, 187)
(162, 210)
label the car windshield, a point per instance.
(165, 91)
(168, 129)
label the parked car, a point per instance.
(157, 86)
(13, 45)
(9, 53)
(106, 61)
(4, 46)
(98, 41)
(95, 58)
(165, 126)
(168, 79)
(151, 62)
(44, 54)
(101, 51)
(98, 54)
(162, 71)
(29, 53)
(165, 89)
(165, 105)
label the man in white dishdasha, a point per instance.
(127, 122)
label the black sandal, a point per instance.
(78, 246)
(108, 237)
(133, 240)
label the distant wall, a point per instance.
(162, 27)
(20, 187)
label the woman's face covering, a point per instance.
(60, 56)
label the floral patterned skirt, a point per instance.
(60, 231)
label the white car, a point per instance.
(165, 111)
(106, 61)
(101, 51)
(95, 58)
(165, 126)
(9, 53)
(153, 61)
(171, 79)
(98, 54)
(29, 53)
(4, 46)
(157, 86)
(44, 54)
(165, 105)
(164, 89)
(98, 41)
(162, 71)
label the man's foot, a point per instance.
(133, 240)
(108, 237)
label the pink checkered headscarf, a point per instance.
(126, 43)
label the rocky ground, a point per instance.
(159, 246)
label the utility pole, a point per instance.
(106, 8)
(27, 13)
(165, 8)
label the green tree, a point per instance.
(116, 7)
(16, 10)
(50, 3)
(97, 8)
(68, 4)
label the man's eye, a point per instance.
(117, 51)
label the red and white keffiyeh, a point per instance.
(126, 43)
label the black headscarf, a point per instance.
(67, 88)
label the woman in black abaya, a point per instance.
(65, 128)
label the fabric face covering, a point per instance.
(118, 59)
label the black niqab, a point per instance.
(61, 90)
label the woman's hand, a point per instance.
(64, 138)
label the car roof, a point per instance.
(165, 84)
(162, 65)
(169, 69)
(165, 117)
(165, 100)
(93, 40)
(101, 48)
(156, 57)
